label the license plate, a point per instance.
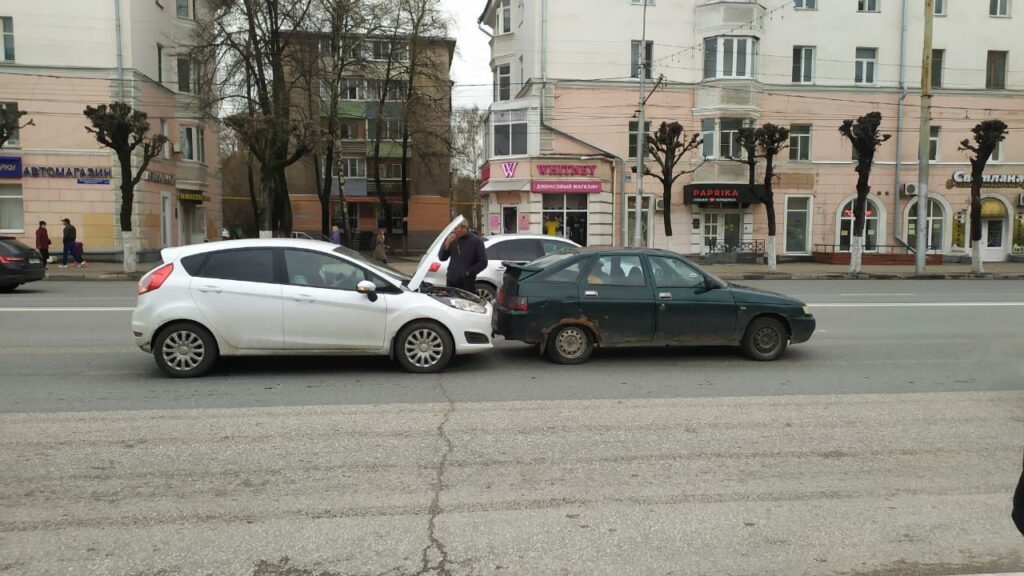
(34, 261)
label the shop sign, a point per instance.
(566, 169)
(963, 180)
(721, 194)
(158, 177)
(94, 181)
(10, 167)
(565, 186)
(192, 197)
(485, 174)
(64, 172)
(509, 169)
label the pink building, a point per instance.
(566, 93)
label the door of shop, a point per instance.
(993, 240)
(509, 219)
(722, 230)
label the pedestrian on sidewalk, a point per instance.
(380, 250)
(468, 257)
(70, 237)
(335, 235)
(43, 242)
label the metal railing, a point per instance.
(898, 249)
(754, 246)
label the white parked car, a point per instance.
(299, 297)
(517, 248)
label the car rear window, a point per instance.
(517, 250)
(249, 265)
(11, 247)
(193, 263)
(551, 259)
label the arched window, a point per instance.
(870, 226)
(936, 224)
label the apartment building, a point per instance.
(62, 55)
(562, 130)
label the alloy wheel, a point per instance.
(424, 348)
(183, 350)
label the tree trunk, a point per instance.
(976, 181)
(266, 227)
(772, 258)
(769, 209)
(257, 214)
(128, 251)
(977, 266)
(666, 198)
(856, 251)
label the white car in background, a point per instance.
(299, 297)
(516, 248)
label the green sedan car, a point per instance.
(570, 302)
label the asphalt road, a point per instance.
(887, 445)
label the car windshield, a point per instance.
(551, 259)
(11, 246)
(382, 269)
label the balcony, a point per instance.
(730, 17)
(715, 97)
(722, 171)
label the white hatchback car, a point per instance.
(299, 297)
(516, 248)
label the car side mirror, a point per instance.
(707, 285)
(368, 288)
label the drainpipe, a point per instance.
(120, 64)
(897, 220)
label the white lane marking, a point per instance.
(880, 294)
(915, 304)
(39, 309)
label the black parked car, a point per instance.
(18, 264)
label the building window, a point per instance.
(729, 138)
(159, 63)
(933, 143)
(391, 171)
(632, 136)
(995, 70)
(384, 50)
(353, 89)
(642, 2)
(805, 4)
(353, 167)
(729, 57)
(635, 63)
(936, 218)
(800, 142)
(393, 91)
(707, 132)
(12, 209)
(867, 60)
(503, 82)
(867, 5)
(503, 24)
(845, 230)
(510, 129)
(390, 128)
(188, 76)
(999, 8)
(348, 128)
(14, 137)
(165, 152)
(938, 56)
(193, 144)
(997, 153)
(186, 9)
(570, 210)
(940, 7)
(803, 64)
(7, 28)
(798, 225)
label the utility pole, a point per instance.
(641, 136)
(924, 150)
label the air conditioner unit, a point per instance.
(176, 147)
(1020, 200)
(659, 204)
(908, 190)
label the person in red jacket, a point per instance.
(43, 242)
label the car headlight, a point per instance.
(807, 310)
(468, 306)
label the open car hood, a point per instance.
(431, 253)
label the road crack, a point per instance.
(435, 549)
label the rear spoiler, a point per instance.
(170, 254)
(519, 269)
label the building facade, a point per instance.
(567, 90)
(59, 57)
(373, 108)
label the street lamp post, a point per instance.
(641, 135)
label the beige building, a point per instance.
(62, 55)
(566, 89)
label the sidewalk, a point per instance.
(790, 271)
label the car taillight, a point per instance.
(517, 304)
(11, 259)
(155, 279)
(435, 266)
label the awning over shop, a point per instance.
(992, 208)
(504, 186)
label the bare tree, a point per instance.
(866, 138)
(772, 140)
(667, 147)
(987, 136)
(10, 123)
(467, 146)
(123, 129)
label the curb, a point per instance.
(112, 277)
(863, 276)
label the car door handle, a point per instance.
(303, 298)
(664, 295)
(210, 289)
(590, 294)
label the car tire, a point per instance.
(185, 350)
(9, 288)
(424, 347)
(570, 344)
(765, 340)
(486, 291)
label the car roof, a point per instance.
(497, 237)
(173, 253)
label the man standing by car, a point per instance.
(468, 257)
(43, 242)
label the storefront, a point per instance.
(723, 217)
(566, 197)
